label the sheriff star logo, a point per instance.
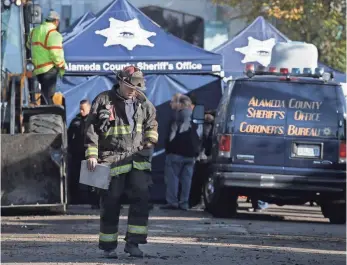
(257, 51)
(126, 33)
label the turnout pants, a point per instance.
(136, 184)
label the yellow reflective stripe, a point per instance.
(122, 130)
(137, 229)
(92, 151)
(108, 237)
(152, 134)
(142, 165)
(121, 170)
(118, 130)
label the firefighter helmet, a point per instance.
(132, 76)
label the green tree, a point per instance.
(321, 22)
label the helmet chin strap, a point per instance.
(121, 91)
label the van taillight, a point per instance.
(342, 153)
(224, 145)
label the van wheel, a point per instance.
(219, 201)
(335, 211)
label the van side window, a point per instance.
(341, 98)
(342, 102)
(222, 109)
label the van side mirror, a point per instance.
(35, 14)
(198, 115)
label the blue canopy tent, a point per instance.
(78, 25)
(121, 35)
(254, 45)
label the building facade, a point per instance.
(219, 22)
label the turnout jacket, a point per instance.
(118, 146)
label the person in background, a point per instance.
(258, 205)
(76, 147)
(202, 165)
(182, 148)
(174, 103)
(207, 134)
(193, 99)
(46, 46)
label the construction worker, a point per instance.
(47, 53)
(121, 131)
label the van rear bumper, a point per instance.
(245, 180)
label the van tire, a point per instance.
(46, 124)
(335, 211)
(222, 204)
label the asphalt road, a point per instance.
(282, 235)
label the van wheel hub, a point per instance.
(209, 189)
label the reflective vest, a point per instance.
(46, 45)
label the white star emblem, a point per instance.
(257, 51)
(126, 33)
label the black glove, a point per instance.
(104, 120)
(104, 114)
(104, 125)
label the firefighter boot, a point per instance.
(133, 250)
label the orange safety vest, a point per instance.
(46, 45)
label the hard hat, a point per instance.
(132, 77)
(53, 15)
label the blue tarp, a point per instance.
(78, 26)
(121, 34)
(160, 89)
(253, 45)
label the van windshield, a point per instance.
(286, 108)
(11, 40)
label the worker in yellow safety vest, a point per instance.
(47, 53)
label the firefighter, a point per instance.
(121, 131)
(46, 45)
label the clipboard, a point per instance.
(99, 178)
